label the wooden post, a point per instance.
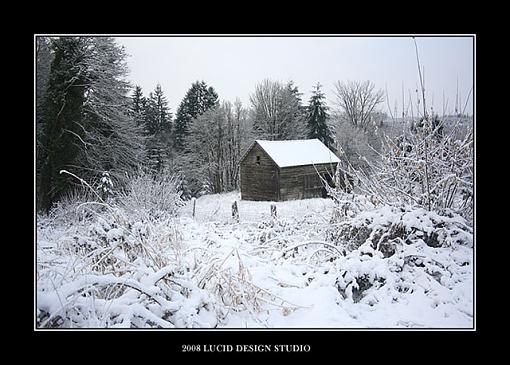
(235, 212)
(194, 203)
(273, 211)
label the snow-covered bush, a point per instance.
(121, 266)
(117, 271)
(73, 207)
(387, 228)
(226, 276)
(390, 251)
(141, 298)
(431, 275)
(405, 234)
(152, 195)
(425, 167)
(380, 258)
(105, 186)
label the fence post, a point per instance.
(273, 211)
(194, 203)
(235, 212)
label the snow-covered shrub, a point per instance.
(387, 228)
(228, 278)
(152, 195)
(406, 234)
(424, 167)
(272, 228)
(118, 271)
(433, 275)
(140, 298)
(120, 267)
(105, 186)
(391, 255)
(230, 282)
(73, 207)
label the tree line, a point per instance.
(91, 121)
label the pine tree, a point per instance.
(197, 101)
(317, 119)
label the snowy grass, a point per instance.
(381, 267)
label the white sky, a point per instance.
(234, 65)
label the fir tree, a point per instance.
(44, 58)
(293, 113)
(115, 143)
(138, 105)
(197, 101)
(158, 128)
(162, 112)
(317, 119)
(62, 116)
(88, 126)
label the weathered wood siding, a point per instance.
(300, 182)
(259, 178)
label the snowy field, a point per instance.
(210, 271)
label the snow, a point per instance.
(259, 272)
(298, 152)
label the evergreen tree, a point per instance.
(43, 64)
(158, 128)
(88, 127)
(293, 113)
(115, 143)
(317, 119)
(138, 105)
(62, 117)
(162, 115)
(44, 57)
(197, 101)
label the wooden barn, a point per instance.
(286, 170)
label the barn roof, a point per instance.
(298, 152)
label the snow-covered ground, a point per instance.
(286, 272)
(312, 288)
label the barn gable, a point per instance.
(259, 175)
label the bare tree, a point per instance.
(358, 100)
(213, 149)
(265, 102)
(277, 112)
(358, 121)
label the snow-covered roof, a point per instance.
(298, 152)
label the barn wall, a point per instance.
(259, 181)
(300, 182)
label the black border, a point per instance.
(315, 337)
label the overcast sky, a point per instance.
(234, 65)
